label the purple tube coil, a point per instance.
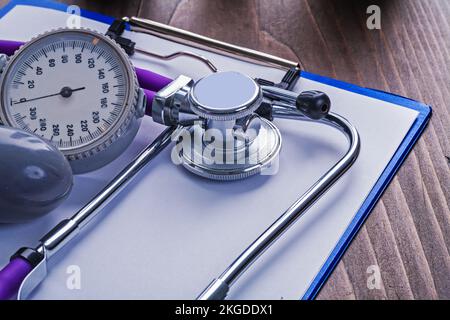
(9, 47)
(150, 95)
(151, 80)
(12, 276)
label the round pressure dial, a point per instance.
(76, 89)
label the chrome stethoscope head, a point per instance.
(228, 132)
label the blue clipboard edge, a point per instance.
(386, 177)
(383, 182)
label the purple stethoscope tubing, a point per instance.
(13, 274)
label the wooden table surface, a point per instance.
(408, 233)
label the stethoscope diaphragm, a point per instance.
(231, 142)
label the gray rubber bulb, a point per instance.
(35, 177)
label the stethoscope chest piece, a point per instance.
(239, 158)
(229, 141)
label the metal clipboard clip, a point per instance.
(208, 44)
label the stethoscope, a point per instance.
(221, 125)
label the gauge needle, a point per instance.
(65, 92)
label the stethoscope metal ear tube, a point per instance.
(66, 230)
(218, 289)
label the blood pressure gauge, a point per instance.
(76, 89)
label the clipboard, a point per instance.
(413, 134)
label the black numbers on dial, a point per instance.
(104, 103)
(84, 125)
(101, 74)
(78, 58)
(70, 131)
(43, 124)
(95, 117)
(33, 113)
(91, 63)
(105, 87)
(55, 128)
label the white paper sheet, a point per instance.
(170, 233)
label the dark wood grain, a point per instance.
(408, 234)
(115, 8)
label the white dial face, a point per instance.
(69, 87)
